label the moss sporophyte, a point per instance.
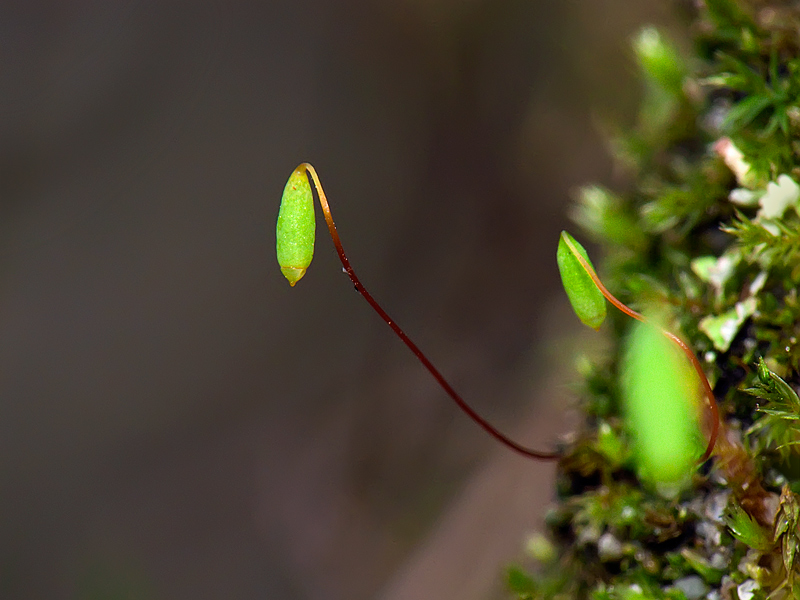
(295, 220)
(664, 440)
(682, 481)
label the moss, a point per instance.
(710, 226)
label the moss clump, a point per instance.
(710, 227)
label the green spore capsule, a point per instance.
(296, 227)
(586, 299)
(661, 409)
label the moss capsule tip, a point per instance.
(293, 275)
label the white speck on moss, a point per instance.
(609, 548)
(780, 196)
(758, 283)
(744, 197)
(747, 589)
(718, 561)
(716, 271)
(692, 586)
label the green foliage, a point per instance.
(604, 215)
(521, 583)
(772, 244)
(659, 61)
(786, 538)
(768, 97)
(779, 428)
(710, 227)
(747, 530)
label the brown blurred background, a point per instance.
(175, 422)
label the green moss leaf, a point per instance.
(660, 61)
(602, 214)
(778, 427)
(746, 529)
(520, 583)
(745, 111)
(701, 566)
(586, 299)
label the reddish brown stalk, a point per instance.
(490, 429)
(709, 393)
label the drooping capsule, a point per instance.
(296, 227)
(661, 408)
(586, 299)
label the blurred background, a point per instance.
(175, 421)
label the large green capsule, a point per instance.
(296, 227)
(661, 408)
(587, 301)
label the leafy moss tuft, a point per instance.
(710, 227)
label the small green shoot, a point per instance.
(659, 61)
(611, 445)
(778, 426)
(776, 388)
(746, 529)
(785, 534)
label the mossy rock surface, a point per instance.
(709, 229)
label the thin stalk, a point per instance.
(483, 423)
(711, 401)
